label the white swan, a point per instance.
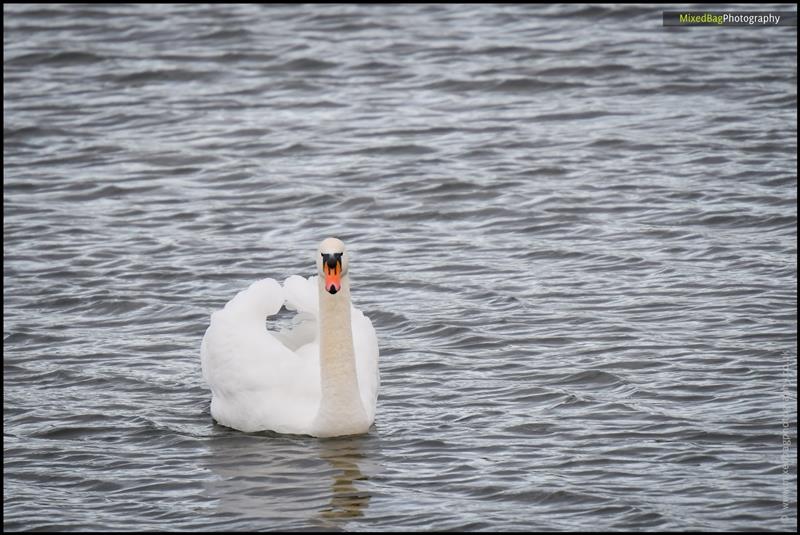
(320, 378)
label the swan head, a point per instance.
(332, 264)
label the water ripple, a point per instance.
(574, 232)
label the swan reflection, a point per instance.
(270, 481)
(348, 499)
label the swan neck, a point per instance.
(335, 328)
(341, 410)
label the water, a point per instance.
(574, 231)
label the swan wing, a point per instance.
(257, 382)
(365, 344)
(302, 294)
(303, 337)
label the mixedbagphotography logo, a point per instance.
(786, 440)
(730, 18)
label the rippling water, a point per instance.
(574, 231)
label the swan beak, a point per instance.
(332, 267)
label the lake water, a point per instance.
(573, 229)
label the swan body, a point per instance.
(319, 378)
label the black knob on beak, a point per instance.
(331, 260)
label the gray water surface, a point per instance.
(574, 231)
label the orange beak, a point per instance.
(333, 277)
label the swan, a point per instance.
(318, 378)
